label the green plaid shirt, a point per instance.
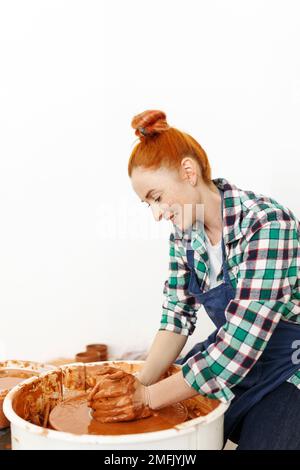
(262, 243)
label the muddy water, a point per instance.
(74, 416)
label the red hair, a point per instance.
(162, 145)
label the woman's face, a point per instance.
(171, 194)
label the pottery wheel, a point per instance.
(73, 415)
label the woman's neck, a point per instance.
(213, 223)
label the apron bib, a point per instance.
(273, 367)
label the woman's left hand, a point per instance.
(118, 396)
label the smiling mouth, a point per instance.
(171, 218)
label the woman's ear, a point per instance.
(189, 170)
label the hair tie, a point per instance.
(143, 130)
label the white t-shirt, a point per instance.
(215, 261)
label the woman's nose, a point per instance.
(157, 214)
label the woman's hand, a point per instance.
(118, 396)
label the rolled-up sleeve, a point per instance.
(179, 309)
(267, 273)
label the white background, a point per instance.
(72, 76)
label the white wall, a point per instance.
(72, 75)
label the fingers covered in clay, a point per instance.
(113, 398)
(108, 403)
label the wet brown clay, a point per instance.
(74, 415)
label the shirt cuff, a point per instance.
(198, 374)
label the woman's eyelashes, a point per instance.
(158, 199)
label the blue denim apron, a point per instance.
(275, 363)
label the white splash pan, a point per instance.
(204, 432)
(36, 367)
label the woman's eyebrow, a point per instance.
(148, 194)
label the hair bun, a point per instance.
(149, 123)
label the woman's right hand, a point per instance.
(118, 396)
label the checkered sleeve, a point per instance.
(179, 307)
(267, 273)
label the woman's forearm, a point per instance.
(163, 352)
(168, 391)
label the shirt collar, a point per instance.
(232, 211)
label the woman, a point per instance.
(237, 253)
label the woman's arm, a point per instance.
(164, 351)
(177, 322)
(168, 391)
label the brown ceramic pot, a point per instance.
(88, 356)
(101, 348)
